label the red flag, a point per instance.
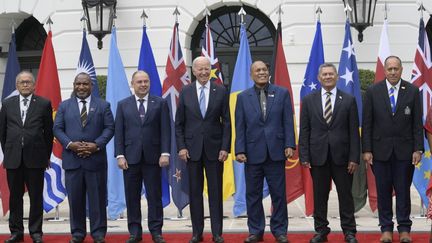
(383, 53)
(298, 179)
(48, 86)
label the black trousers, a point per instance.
(213, 171)
(394, 175)
(33, 179)
(322, 176)
(133, 178)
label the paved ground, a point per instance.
(366, 220)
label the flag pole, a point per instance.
(144, 17)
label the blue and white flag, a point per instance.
(85, 65)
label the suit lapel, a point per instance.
(92, 109)
(133, 103)
(401, 95)
(212, 96)
(150, 107)
(16, 109)
(74, 108)
(194, 97)
(253, 99)
(338, 102)
(317, 104)
(32, 107)
(271, 96)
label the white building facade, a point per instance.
(298, 26)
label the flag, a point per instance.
(383, 53)
(241, 80)
(349, 82)
(207, 50)
(293, 169)
(176, 77)
(310, 84)
(117, 88)
(85, 65)
(48, 86)
(422, 78)
(147, 63)
(9, 89)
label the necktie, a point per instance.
(141, 109)
(24, 111)
(263, 101)
(392, 99)
(328, 108)
(202, 101)
(83, 113)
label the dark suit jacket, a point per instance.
(254, 135)
(99, 129)
(151, 138)
(342, 134)
(384, 133)
(213, 131)
(31, 141)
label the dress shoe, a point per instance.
(37, 238)
(134, 239)
(196, 239)
(318, 238)
(76, 240)
(254, 238)
(350, 238)
(281, 239)
(404, 237)
(386, 237)
(99, 239)
(218, 239)
(15, 238)
(158, 239)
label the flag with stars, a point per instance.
(316, 58)
(176, 77)
(311, 83)
(422, 78)
(85, 64)
(349, 82)
(207, 50)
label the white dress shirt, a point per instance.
(206, 92)
(24, 108)
(396, 86)
(332, 98)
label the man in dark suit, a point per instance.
(84, 125)
(142, 145)
(264, 140)
(26, 138)
(203, 134)
(329, 145)
(392, 140)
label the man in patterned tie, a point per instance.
(84, 125)
(203, 134)
(142, 145)
(392, 140)
(329, 144)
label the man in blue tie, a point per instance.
(142, 145)
(392, 140)
(203, 134)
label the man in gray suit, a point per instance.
(26, 137)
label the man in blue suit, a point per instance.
(264, 140)
(142, 145)
(84, 125)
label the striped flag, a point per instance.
(48, 86)
(176, 77)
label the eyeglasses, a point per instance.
(25, 82)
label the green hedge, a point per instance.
(102, 80)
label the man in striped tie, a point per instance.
(392, 140)
(329, 144)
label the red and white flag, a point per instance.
(207, 50)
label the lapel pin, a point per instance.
(271, 95)
(403, 87)
(92, 109)
(214, 89)
(340, 97)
